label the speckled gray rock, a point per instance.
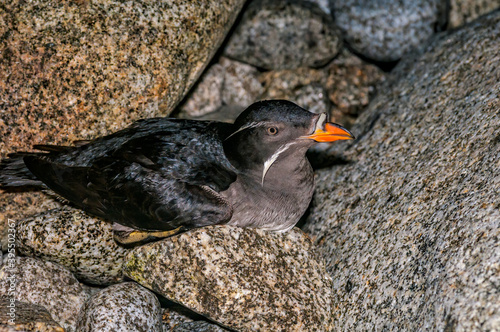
(199, 326)
(26, 317)
(410, 227)
(464, 11)
(384, 30)
(245, 279)
(122, 307)
(284, 35)
(45, 284)
(73, 239)
(226, 83)
(351, 85)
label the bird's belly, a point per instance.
(258, 207)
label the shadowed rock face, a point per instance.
(245, 279)
(385, 30)
(410, 228)
(284, 35)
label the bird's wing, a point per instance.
(158, 181)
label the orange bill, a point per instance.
(331, 133)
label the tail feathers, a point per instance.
(15, 174)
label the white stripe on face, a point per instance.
(269, 162)
(250, 125)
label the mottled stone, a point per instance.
(25, 317)
(199, 326)
(226, 83)
(245, 279)
(122, 307)
(384, 30)
(284, 35)
(45, 284)
(75, 240)
(80, 69)
(351, 85)
(303, 86)
(410, 227)
(464, 11)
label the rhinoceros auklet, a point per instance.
(163, 175)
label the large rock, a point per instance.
(122, 307)
(384, 30)
(80, 69)
(244, 279)
(77, 70)
(410, 227)
(284, 35)
(75, 240)
(44, 284)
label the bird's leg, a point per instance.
(137, 236)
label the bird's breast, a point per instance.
(276, 205)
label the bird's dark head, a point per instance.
(272, 129)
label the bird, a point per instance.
(162, 176)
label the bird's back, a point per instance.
(157, 174)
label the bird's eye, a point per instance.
(272, 130)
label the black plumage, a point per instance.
(163, 174)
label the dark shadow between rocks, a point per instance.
(173, 306)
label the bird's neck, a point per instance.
(287, 171)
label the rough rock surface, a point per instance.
(81, 69)
(226, 83)
(284, 35)
(122, 307)
(351, 85)
(384, 30)
(410, 227)
(464, 11)
(77, 70)
(45, 284)
(75, 240)
(27, 317)
(303, 86)
(244, 279)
